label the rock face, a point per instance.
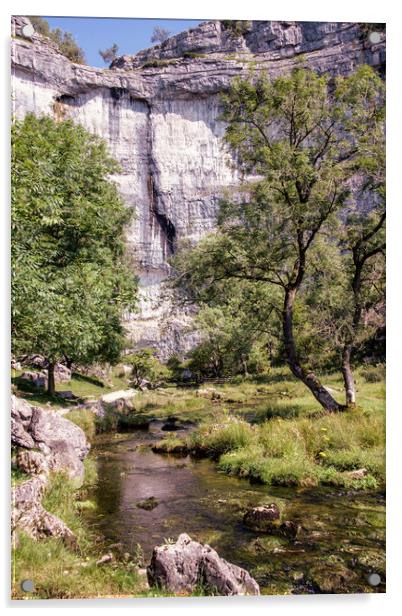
(180, 567)
(29, 515)
(44, 442)
(158, 112)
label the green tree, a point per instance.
(64, 40)
(71, 278)
(110, 54)
(146, 366)
(304, 138)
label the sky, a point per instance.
(131, 35)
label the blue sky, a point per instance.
(131, 35)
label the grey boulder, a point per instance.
(49, 428)
(181, 566)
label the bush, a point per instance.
(145, 366)
(236, 27)
(64, 40)
(373, 374)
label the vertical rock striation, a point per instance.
(158, 111)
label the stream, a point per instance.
(342, 538)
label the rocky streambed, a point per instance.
(144, 499)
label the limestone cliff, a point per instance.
(158, 111)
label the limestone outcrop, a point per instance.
(43, 442)
(182, 566)
(159, 113)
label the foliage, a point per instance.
(160, 35)
(71, 279)
(228, 339)
(109, 54)
(373, 374)
(294, 233)
(146, 366)
(236, 27)
(64, 40)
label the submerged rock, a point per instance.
(329, 578)
(263, 518)
(182, 566)
(148, 503)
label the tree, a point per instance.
(64, 40)
(110, 54)
(363, 236)
(71, 279)
(145, 366)
(160, 35)
(301, 138)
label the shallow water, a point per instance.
(341, 542)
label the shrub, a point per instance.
(373, 374)
(64, 40)
(148, 367)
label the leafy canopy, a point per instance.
(301, 143)
(71, 278)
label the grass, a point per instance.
(81, 386)
(290, 440)
(85, 419)
(270, 431)
(62, 573)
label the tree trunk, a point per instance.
(69, 362)
(308, 378)
(51, 388)
(349, 382)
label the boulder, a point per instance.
(360, 473)
(181, 566)
(29, 515)
(115, 397)
(34, 379)
(66, 395)
(209, 393)
(19, 436)
(62, 374)
(263, 518)
(63, 458)
(34, 360)
(45, 442)
(106, 558)
(21, 411)
(49, 428)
